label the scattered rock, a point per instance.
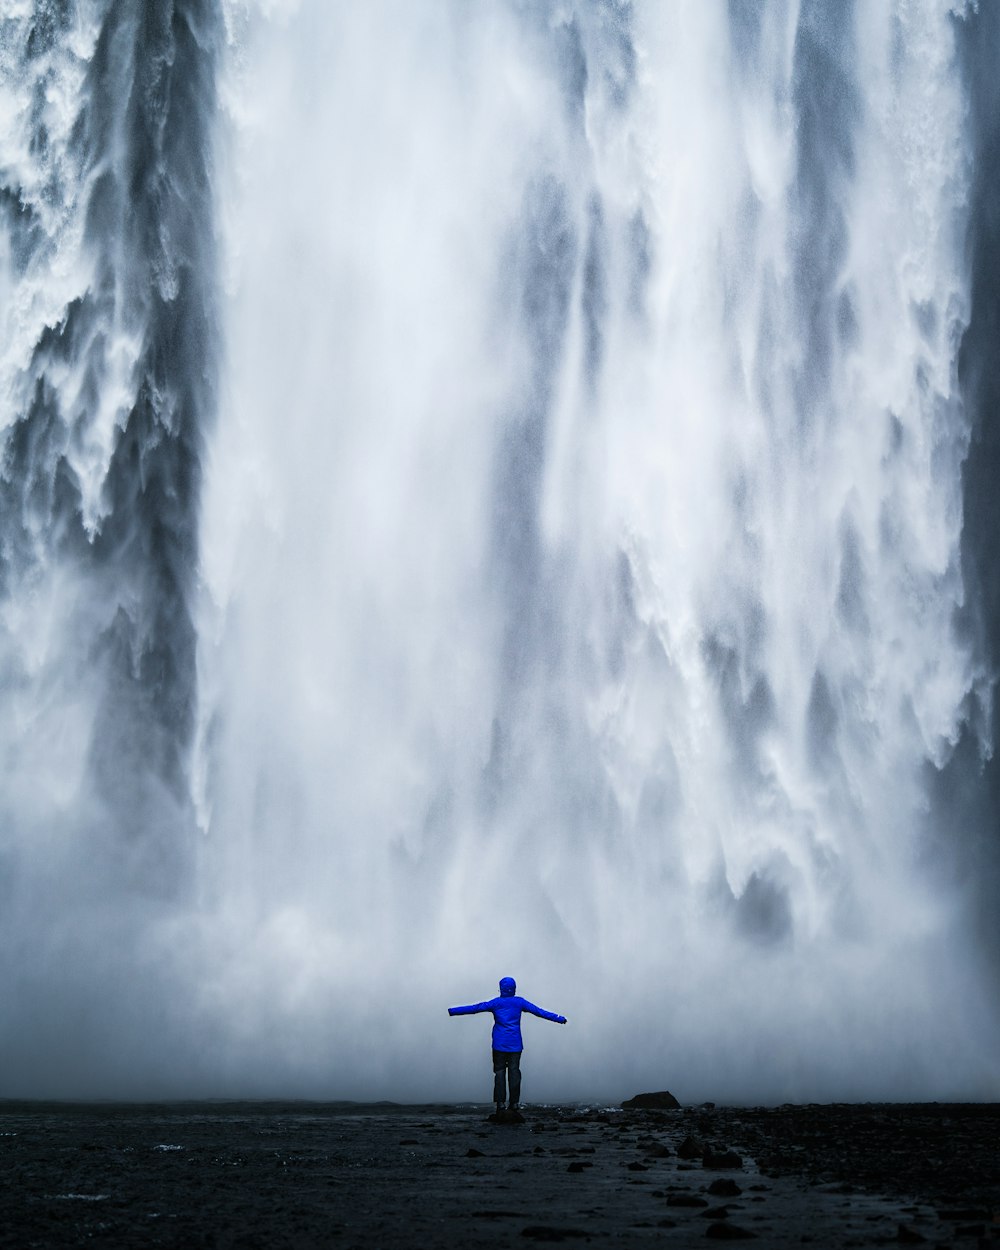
(656, 1151)
(473, 1153)
(686, 1200)
(661, 1101)
(724, 1231)
(723, 1159)
(546, 1232)
(907, 1234)
(635, 1166)
(725, 1187)
(690, 1148)
(578, 1166)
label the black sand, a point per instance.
(304, 1174)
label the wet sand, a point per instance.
(310, 1174)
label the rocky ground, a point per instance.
(269, 1175)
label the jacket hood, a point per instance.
(507, 986)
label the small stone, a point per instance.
(686, 1200)
(578, 1166)
(473, 1153)
(656, 1151)
(637, 1167)
(908, 1235)
(724, 1231)
(545, 1232)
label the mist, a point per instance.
(497, 490)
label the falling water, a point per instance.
(497, 489)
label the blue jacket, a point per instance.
(507, 1015)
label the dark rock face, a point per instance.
(661, 1101)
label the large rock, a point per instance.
(725, 1187)
(662, 1101)
(691, 1148)
(506, 1117)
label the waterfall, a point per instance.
(497, 490)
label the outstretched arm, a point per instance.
(545, 1015)
(469, 1011)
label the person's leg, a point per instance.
(514, 1076)
(499, 1078)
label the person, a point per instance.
(507, 1044)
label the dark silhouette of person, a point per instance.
(507, 1044)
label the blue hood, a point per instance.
(507, 986)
